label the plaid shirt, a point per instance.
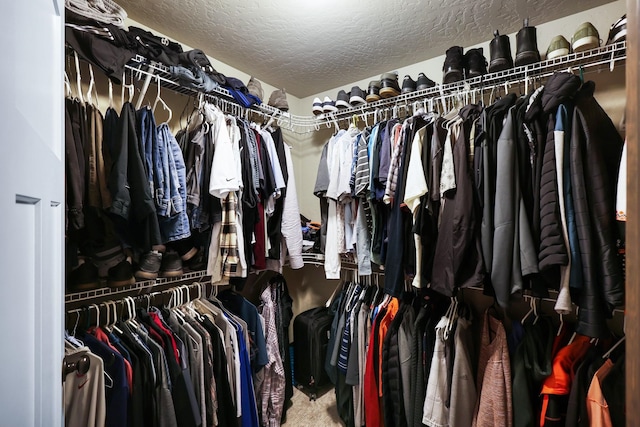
(229, 238)
(270, 392)
(394, 169)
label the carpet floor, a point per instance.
(309, 413)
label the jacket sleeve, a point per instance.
(552, 252)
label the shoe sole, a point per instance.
(145, 275)
(343, 104)
(586, 43)
(499, 65)
(558, 53)
(89, 286)
(388, 92)
(120, 283)
(172, 273)
(317, 110)
(356, 100)
(330, 109)
(452, 76)
(526, 58)
(373, 98)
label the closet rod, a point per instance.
(141, 287)
(148, 298)
(545, 299)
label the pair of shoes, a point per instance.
(278, 99)
(458, 66)
(526, 49)
(86, 277)
(326, 106)
(586, 37)
(154, 264)
(423, 82)
(350, 99)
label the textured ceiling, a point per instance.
(311, 46)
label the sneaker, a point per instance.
(255, 88)
(373, 92)
(107, 258)
(389, 85)
(618, 31)
(149, 266)
(357, 96)
(408, 85)
(120, 275)
(171, 265)
(342, 100)
(278, 99)
(558, 47)
(453, 65)
(475, 63)
(317, 106)
(328, 106)
(424, 82)
(586, 37)
(83, 278)
(527, 45)
(198, 262)
(500, 53)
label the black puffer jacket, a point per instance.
(560, 88)
(596, 148)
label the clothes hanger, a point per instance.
(67, 85)
(78, 78)
(164, 104)
(92, 87)
(620, 341)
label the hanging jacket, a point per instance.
(458, 258)
(596, 148)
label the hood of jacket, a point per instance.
(560, 88)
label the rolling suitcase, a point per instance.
(311, 331)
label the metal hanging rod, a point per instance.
(139, 288)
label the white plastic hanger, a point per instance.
(164, 104)
(67, 85)
(78, 78)
(92, 85)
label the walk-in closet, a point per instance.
(379, 214)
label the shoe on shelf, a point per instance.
(373, 91)
(357, 96)
(255, 88)
(475, 63)
(424, 82)
(389, 85)
(342, 100)
(149, 266)
(527, 45)
(317, 106)
(586, 37)
(104, 259)
(500, 53)
(278, 99)
(120, 275)
(328, 106)
(83, 278)
(408, 85)
(558, 47)
(453, 65)
(198, 262)
(618, 31)
(171, 265)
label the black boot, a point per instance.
(475, 63)
(453, 65)
(500, 53)
(527, 45)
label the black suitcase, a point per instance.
(311, 331)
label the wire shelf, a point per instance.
(602, 57)
(138, 288)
